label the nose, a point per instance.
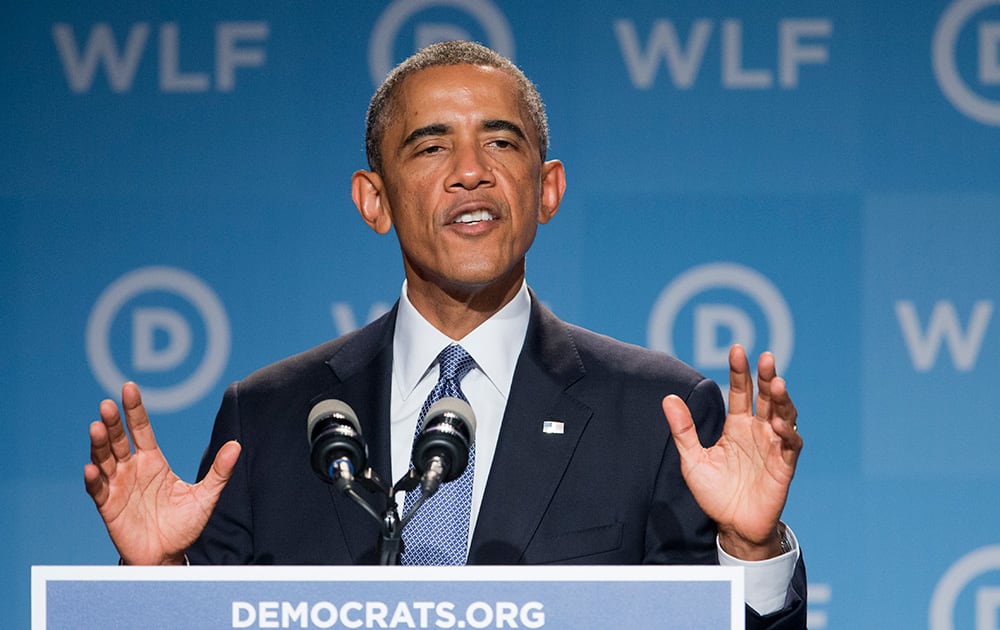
(470, 169)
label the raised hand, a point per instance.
(151, 514)
(742, 481)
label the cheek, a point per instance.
(413, 207)
(528, 200)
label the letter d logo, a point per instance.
(718, 325)
(150, 323)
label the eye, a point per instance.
(502, 143)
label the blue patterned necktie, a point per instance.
(438, 533)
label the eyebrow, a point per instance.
(504, 125)
(435, 129)
(440, 129)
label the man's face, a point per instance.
(463, 182)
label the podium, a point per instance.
(551, 597)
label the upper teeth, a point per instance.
(472, 217)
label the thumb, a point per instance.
(681, 425)
(220, 472)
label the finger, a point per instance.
(791, 441)
(781, 402)
(681, 425)
(787, 432)
(221, 471)
(118, 443)
(766, 374)
(96, 484)
(137, 418)
(101, 454)
(784, 421)
(740, 382)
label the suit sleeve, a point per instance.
(678, 532)
(793, 615)
(228, 537)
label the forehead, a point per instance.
(470, 92)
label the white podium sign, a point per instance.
(552, 597)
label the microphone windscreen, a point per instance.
(458, 408)
(331, 408)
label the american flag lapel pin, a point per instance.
(553, 427)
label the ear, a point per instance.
(368, 193)
(553, 189)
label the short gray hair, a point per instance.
(453, 53)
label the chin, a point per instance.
(476, 278)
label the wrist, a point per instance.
(176, 560)
(169, 561)
(743, 548)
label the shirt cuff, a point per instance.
(766, 581)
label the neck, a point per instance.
(458, 310)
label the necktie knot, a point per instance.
(455, 363)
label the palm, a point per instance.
(742, 481)
(151, 514)
(144, 495)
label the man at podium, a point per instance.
(588, 450)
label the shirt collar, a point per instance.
(495, 344)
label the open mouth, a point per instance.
(474, 216)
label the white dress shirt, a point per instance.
(495, 346)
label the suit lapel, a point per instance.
(529, 463)
(362, 369)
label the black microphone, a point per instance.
(336, 447)
(441, 451)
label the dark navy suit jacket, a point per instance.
(608, 490)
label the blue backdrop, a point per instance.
(815, 177)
